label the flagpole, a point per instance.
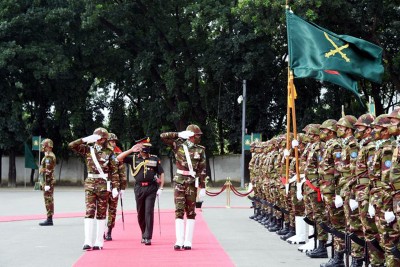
(296, 150)
(288, 128)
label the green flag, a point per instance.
(320, 54)
(36, 143)
(29, 158)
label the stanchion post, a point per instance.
(228, 192)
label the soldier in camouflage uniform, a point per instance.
(102, 167)
(113, 202)
(254, 173)
(190, 174)
(313, 193)
(270, 172)
(395, 173)
(381, 195)
(362, 187)
(47, 166)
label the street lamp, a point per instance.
(242, 99)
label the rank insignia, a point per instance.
(353, 155)
(388, 163)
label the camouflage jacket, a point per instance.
(395, 171)
(381, 165)
(328, 166)
(47, 166)
(196, 152)
(105, 156)
(121, 172)
(347, 163)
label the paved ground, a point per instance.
(25, 243)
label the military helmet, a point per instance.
(329, 124)
(305, 129)
(112, 137)
(194, 128)
(47, 142)
(365, 120)
(102, 132)
(313, 129)
(395, 113)
(382, 120)
(347, 121)
(303, 138)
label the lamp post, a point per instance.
(241, 99)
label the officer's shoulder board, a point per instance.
(200, 146)
(387, 149)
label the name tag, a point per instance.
(151, 163)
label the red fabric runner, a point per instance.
(126, 249)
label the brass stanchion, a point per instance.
(228, 192)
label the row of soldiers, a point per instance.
(348, 187)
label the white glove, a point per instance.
(295, 143)
(286, 188)
(185, 134)
(114, 192)
(46, 188)
(299, 194)
(286, 152)
(121, 192)
(338, 201)
(202, 192)
(91, 138)
(250, 187)
(371, 211)
(159, 192)
(353, 204)
(389, 216)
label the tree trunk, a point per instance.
(1, 165)
(12, 172)
(221, 137)
(32, 177)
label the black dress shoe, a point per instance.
(147, 242)
(187, 248)
(86, 247)
(97, 248)
(142, 241)
(177, 247)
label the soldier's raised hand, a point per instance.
(185, 134)
(91, 138)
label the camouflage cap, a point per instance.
(112, 137)
(303, 138)
(102, 132)
(395, 113)
(47, 142)
(382, 120)
(329, 124)
(365, 120)
(347, 121)
(313, 129)
(194, 128)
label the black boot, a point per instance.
(108, 236)
(284, 230)
(336, 261)
(277, 226)
(291, 233)
(256, 211)
(357, 262)
(320, 251)
(47, 222)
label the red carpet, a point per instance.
(126, 249)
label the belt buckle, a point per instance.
(144, 183)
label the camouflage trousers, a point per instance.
(353, 223)
(112, 210)
(336, 219)
(49, 201)
(185, 200)
(297, 208)
(285, 203)
(382, 200)
(318, 209)
(96, 197)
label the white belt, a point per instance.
(95, 175)
(187, 173)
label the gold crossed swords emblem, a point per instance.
(337, 49)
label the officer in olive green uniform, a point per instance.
(190, 174)
(113, 201)
(47, 171)
(102, 167)
(149, 181)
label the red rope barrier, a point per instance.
(236, 192)
(214, 194)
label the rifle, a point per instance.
(159, 220)
(314, 225)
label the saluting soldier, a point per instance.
(113, 201)
(102, 167)
(149, 182)
(47, 166)
(190, 174)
